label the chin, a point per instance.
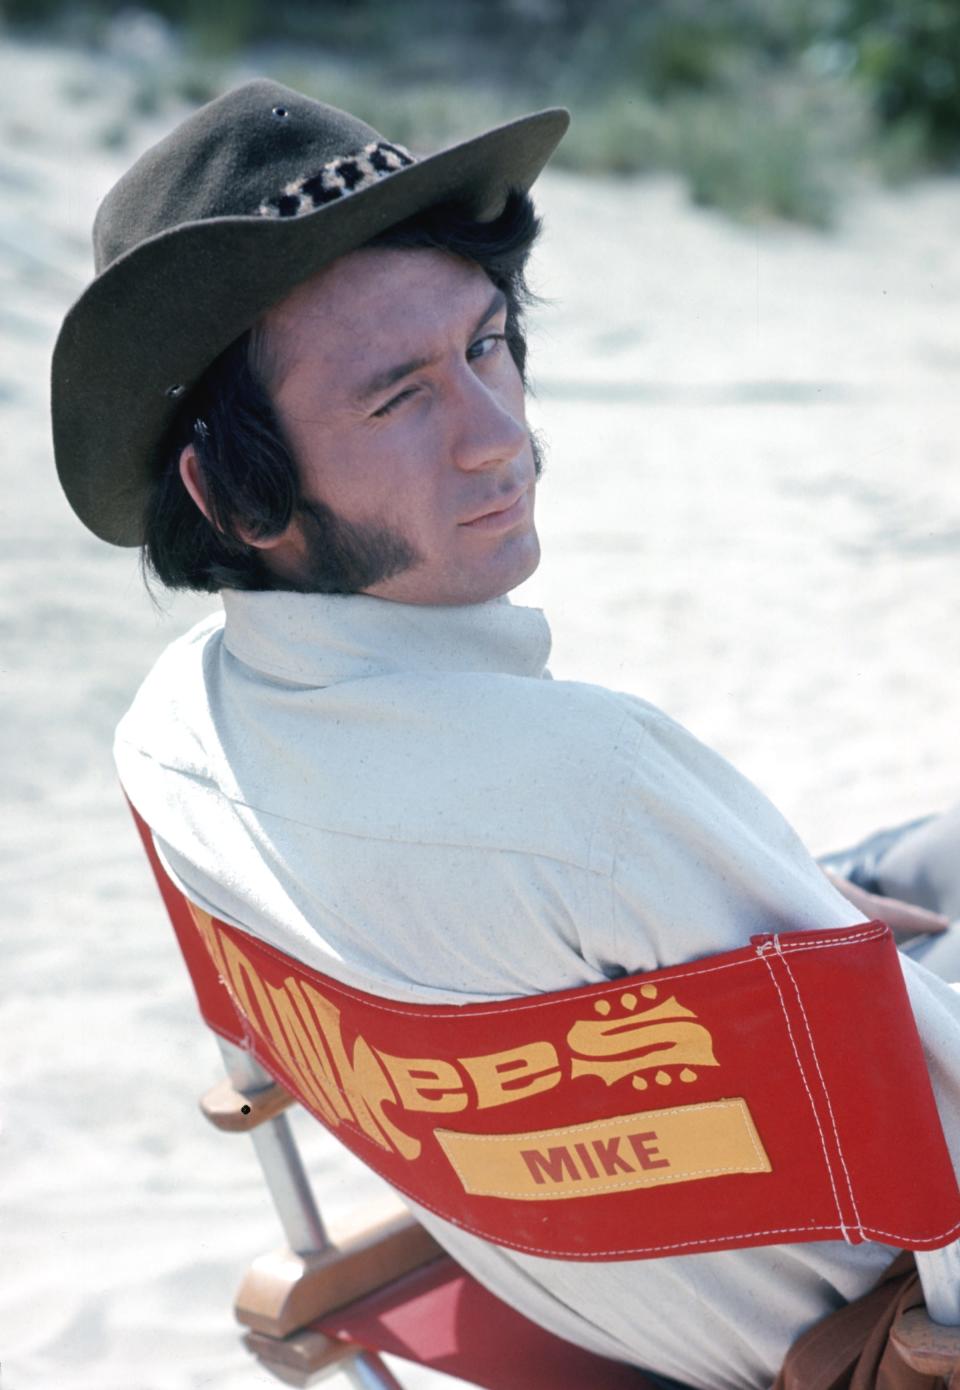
(506, 577)
(462, 584)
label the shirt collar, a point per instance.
(320, 639)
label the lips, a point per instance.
(498, 509)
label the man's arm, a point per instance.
(903, 918)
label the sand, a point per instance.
(751, 518)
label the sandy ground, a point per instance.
(751, 517)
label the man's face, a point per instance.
(405, 412)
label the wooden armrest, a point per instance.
(283, 1291)
(238, 1112)
(924, 1345)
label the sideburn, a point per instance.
(346, 557)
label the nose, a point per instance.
(488, 432)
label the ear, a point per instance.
(191, 475)
(192, 479)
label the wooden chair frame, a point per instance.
(286, 1290)
(287, 1294)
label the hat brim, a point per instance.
(156, 318)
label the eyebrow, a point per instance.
(382, 381)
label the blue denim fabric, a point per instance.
(860, 863)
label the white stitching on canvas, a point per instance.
(910, 1242)
(823, 1083)
(518, 1004)
(793, 1044)
(785, 1231)
(788, 945)
(521, 1004)
(687, 1175)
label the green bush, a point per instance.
(754, 158)
(908, 55)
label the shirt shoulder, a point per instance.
(168, 718)
(480, 758)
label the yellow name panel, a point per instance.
(684, 1144)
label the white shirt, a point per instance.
(401, 797)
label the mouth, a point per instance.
(506, 512)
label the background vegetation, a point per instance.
(765, 107)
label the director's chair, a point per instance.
(768, 1095)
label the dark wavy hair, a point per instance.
(250, 474)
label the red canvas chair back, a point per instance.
(769, 1095)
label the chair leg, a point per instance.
(271, 1294)
(367, 1372)
(289, 1187)
(280, 1160)
(939, 1272)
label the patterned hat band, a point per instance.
(338, 179)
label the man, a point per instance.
(298, 378)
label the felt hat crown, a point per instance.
(246, 198)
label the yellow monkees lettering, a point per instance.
(423, 1083)
(365, 1082)
(636, 1041)
(515, 1074)
(370, 1088)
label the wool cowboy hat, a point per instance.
(246, 198)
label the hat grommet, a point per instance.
(175, 392)
(280, 113)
